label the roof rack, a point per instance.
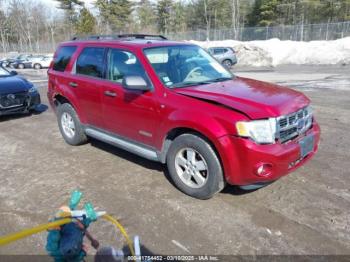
(121, 36)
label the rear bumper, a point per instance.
(241, 157)
(31, 103)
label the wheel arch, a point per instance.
(61, 99)
(227, 59)
(180, 130)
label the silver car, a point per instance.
(225, 55)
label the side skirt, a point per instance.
(122, 143)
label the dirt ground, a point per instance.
(306, 212)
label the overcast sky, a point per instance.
(52, 2)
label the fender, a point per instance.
(209, 127)
(70, 96)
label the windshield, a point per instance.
(180, 66)
(4, 72)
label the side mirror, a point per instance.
(13, 73)
(135, 83)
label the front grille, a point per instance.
(13, 100)
(292, 125)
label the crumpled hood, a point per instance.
(254, 98)
(13, 84)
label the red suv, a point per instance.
(174, 103)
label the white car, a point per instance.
(43, 62)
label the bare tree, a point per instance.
(235, 21)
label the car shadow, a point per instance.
(229, 189)
(126, 155)
(153, 165)
(38, 110)
(236, 190)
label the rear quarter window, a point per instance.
(63, 57)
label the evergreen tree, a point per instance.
(146, 14)
(115, 14)
(86, 22)
(178, 18)
(163, 12)
(69, 7)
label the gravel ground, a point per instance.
(306, 212)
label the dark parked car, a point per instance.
(17, 95)
(9, 61)
(21, 63)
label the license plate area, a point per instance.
(306, 145)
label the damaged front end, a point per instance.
(20, 102)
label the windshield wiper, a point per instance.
(186, 84)
(220, 79)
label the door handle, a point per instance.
(110, 93)
(73, 84)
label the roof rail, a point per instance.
(143, 36)
(121, 36)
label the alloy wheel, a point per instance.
(191, 168)
(68, 125)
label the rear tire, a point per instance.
(195, 167)
(21, 66)
(37, 66)
(70, 126)
(227, 63)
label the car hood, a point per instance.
(253, 98)
(13, 84)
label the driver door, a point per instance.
(128, 113)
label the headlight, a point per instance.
(261, 131)
(33, 89)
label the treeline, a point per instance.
(296, 12)
(29, 24)
(166, 16)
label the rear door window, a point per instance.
(218, 51)
(91, 62)
(63, 57)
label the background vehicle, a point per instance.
(21, 61)
(17, 95)
(225, 55)
(42, 62)
(174, 103)
(27, 62)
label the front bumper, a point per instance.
(31, 102)
(241, 157)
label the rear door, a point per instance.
(87, 76)
(59, 75)
(218, 53)
(128, 113)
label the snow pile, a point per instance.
(275, 52)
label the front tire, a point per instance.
(21, 66)
(195, 167)
(70, 126)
